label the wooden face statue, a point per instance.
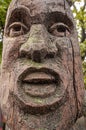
(41, 75)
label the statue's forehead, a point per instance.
(29, 2)
(41, 5)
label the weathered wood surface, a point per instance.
(80, 124)
(41, 73)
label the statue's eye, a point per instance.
(17, 29)
(59, 29)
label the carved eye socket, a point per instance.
(17, 29)
(59, 29)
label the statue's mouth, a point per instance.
(39, 84)
(40, 90)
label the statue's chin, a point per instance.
(39, 105)
(24, 120)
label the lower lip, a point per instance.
(40, 95)
(39, 90)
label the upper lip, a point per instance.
(37, 76)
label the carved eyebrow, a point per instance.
(55, 17)
(17, 14)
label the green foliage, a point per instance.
(83, 49)
(83, 54)
(84, 72)
(3, 9)
(80, 17)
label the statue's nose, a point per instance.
(37, 47)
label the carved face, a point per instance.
(40, 60)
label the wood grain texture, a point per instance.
(41, 73)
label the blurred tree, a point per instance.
(80, 16)
(3, 9)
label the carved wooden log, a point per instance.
(41, 74)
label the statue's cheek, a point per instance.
(11, 50)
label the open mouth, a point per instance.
(39, 84)
(40, 90)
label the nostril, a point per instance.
(22, 53)
(52, 53)
(36, 56)
(43, 52)
(25, 53)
